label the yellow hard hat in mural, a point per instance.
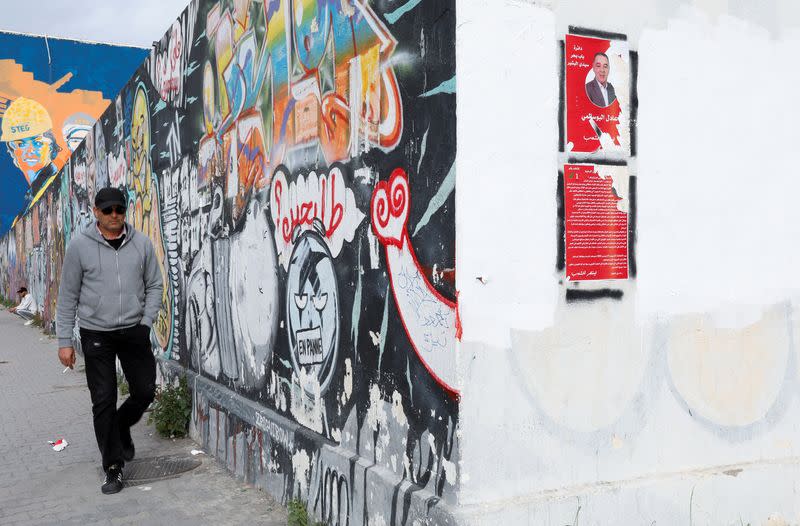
(25, 118)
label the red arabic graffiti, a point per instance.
(311, 198)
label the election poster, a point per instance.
(596, 214)
(598, 80)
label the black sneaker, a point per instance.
(128, 451)
(113, 480)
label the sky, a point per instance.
(134, 23)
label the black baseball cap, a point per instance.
(22, 289)
(109, 197)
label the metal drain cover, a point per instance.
(142, 471)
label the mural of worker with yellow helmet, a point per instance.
(27, 130)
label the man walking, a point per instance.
(111, 278)
(27, 306)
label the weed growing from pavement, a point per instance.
(122, 385)
(172, 409)
(298, 514)
(6, 302)
(38, 321)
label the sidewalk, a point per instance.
(40, 486)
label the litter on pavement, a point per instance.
(59, 444)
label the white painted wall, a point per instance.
(642, 409)
(507, 139)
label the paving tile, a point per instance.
(40, 486)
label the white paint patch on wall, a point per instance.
(507, 71)
(306, 400)
(731, 377)
(506, 56)
(301, 464)
(717, 224)
(619, 16)
(254, 281)
(397, 409)
(347, 390)
(631, 17)
(586, 370)
(376, 413)
(718, 213)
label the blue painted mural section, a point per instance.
(60, 75)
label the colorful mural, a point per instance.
(293, 163)
(51, 92)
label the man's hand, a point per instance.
(67, 356)
(12, 309)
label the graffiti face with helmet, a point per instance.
(27, 131)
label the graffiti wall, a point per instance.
(51, 92)
(293, 163)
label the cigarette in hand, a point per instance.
(65, 370)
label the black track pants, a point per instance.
(100, 348)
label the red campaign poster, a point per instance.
(597, 90)
(596, 220)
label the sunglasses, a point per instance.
(118, 209)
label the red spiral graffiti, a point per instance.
(380, 209)
(399, 191)
(388, 205)
(389, 208)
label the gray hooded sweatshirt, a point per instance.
(110, 289)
